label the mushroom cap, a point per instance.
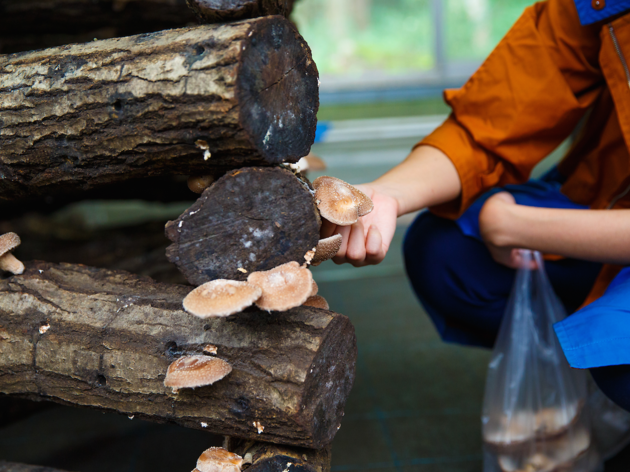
(221, 298)
(524, 426)
(317, 301)
(327, 249)
(315, 162)
(198, 183)
(283, 287)
(314, 289)
(8, 242)
(553, 455)
(196, 371)
(339, 202)
(217, 459)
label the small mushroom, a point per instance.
(339, 202)
(315, 163)
(283, 287)
(195, 371)
(8, 261)
(314, 289)
(221, 297)
(317, 301)
(327, 249)
(217, 459)
(198, 183)
(308, 257)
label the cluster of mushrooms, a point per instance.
(284, 287)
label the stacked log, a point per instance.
(104, 339)
(182, 101)
(37, 24)
(235, 100)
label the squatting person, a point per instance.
(562, 68)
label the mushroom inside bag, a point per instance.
(535, 416)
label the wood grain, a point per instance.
(87, 115)
(103, 339)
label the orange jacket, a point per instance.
(544, 76)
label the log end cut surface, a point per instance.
(251, 219)
(104, 339)
(282, 94)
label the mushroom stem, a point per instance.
(11, 264)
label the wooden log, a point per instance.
(84, 115)
(17, 467)
(218, 11)
(36, 24)
(266, 457)
(103, 339)
(250, 219)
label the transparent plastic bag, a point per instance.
(534, 412)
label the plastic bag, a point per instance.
(534, 412)
(610, 424)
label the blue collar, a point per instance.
(589, 15)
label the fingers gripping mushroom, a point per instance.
(339, 202)
(217, 459)
(221, 297)
(195, 371)
(8, 261)
(283, 287)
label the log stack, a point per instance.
(131, 117)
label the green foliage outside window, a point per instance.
(356, 37)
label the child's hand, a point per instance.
(366, 242)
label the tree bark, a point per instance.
(16, 467)
(251, 219)
(192, 100)
(267, 457)
(218, 11)
(36, 24)
(103, 339)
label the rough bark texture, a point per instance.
(79, 116)
(37, 24)
(102, 339)
(16, 467)
(217, 11)
(252, 219)
(275, 458)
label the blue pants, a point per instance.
(465, 291)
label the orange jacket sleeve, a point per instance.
(522, 102)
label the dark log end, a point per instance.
(330, 381)
(283, 95)
(251, 219)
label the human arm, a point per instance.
(521, 104)
(594, 235)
